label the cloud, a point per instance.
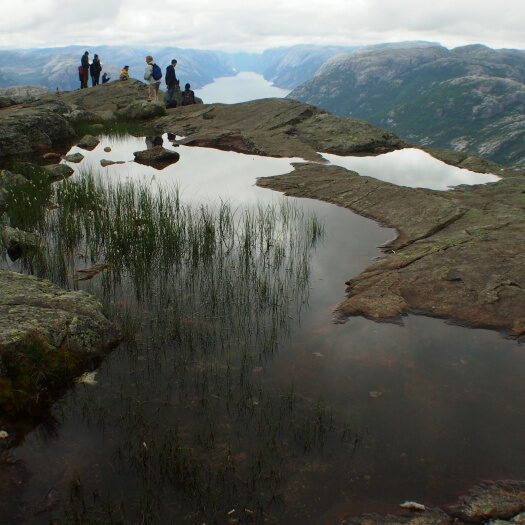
(252, 25)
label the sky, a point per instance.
(254, 25)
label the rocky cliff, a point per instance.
(470, 98)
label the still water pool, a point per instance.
(270, 413)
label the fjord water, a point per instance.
(289, 418)
(239, 88)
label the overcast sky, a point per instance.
(254, 25)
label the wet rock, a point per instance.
(277, 127)
(96, 128)
(492, 500)
(74, 157)
(17, 242)
(60, 318)
(142, 110)
(106, 115)
(157, 157)
(58, 172)
(107, 149)
(106, 162)
(88, 142)
(458, 254)
(51, 156)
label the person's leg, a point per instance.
(151, 92)
(171, 92)
(156, 91)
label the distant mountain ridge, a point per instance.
(285, 67)
(470, 98)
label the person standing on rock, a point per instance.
(152, 75)
(84, 62)
(95, 68)
(188, 96)
(172, 84)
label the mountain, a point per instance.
(287, 67)
(470, 98)
(57, 67)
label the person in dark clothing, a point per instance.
(171, 83)
(84, 61)
(105, 78)
(188, 96)
(81, 76)
(95, 68)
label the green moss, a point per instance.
(32, 371)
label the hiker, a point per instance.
(152, 74)
(95, 68)
(84, 62)
(105, 78)
(124, 73)
(172, 84)
(81, 76)
(188, 96)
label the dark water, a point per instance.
(301, 422)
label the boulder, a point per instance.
(17, 242)
(51, 156)
(58, 172)
(88, 142)
(81, 115)
(74, 157)
(60, 318)
(142, 110)
(107, 149)
(157, 157)
(106, 115)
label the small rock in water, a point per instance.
(74, 157)
(412, 505)
(106, 162)
(318, 354)
(3, 434)
(88, 142)
(375, 394)
(51, 155)
(107, 149)
(88, 378)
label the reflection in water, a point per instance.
(240, 88)
(411, 167)
(267, 407)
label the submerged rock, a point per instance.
(157, 157)
(88, 142)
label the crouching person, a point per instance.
(188, 96)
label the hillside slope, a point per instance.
(470, 98)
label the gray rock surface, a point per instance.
(157, 157)
(61, 318)
(88, 142)
(141, 110)
(74, 157)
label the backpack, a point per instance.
(156, 73)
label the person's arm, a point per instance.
(147, 72)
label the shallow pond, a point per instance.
(273, 414)
(411, 167)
